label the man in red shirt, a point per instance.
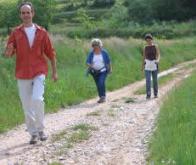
(32, 47)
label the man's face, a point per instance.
(26, 14)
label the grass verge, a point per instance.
(174, 141)
(68, 138)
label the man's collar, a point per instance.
(21, 27)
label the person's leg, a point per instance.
(101, 86)
(155, 82)
(96, 79)
(38, 102)
(25, 93)
(148, 83)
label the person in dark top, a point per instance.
(151, 57)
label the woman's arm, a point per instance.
(143, 59)
(157, 54)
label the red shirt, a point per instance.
(31, 61)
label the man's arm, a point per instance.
(10, 47)
(51, 54)
(143, 59)
(54, 70)
(9, 50)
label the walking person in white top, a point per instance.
(151, 57)
(99, 65)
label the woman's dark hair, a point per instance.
(26, 3)
(148, 36)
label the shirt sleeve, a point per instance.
(48, 47)
(88, 60)
(108, 60)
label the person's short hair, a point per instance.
(26, 3)
(96, 42)
(148, 36)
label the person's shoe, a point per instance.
(42, 136)
(155, 96)
(101, 100)
(147, 97)
(33, 139)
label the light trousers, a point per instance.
(31, 94)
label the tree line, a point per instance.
(163, 10)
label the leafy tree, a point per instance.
(118, 15)
(8, 14)
(75, 3)
(139, 10)
(83, 18)
(103, 3)
(174, 9)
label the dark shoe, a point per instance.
(155, 96)
(33, 139)
(42, 136)
(147, 97)
(101, 100)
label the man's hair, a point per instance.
(26, 3)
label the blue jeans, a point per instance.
(148, 82)
(100, 83)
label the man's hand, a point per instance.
(54, 77)
(156, 61)
(54, 72)
(9, 50)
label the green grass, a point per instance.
(95, 113)
(129, 100)
(111, 113)
(174, 140)
(72, 136)
(83, 127)
(162, 80)
(73, 86)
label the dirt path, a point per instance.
(121, 137)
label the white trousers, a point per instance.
(31, 94)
